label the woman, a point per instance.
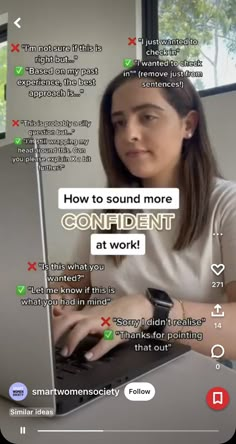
(157, 137)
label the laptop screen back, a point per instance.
(25, 338)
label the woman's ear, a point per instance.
(191, 122)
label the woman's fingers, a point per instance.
(61, 308)
(57, 310)
(73, 326)
(77, 327)
(80, 330)
(101, 348)
(63, 323)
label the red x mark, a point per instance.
(32, 266)
(15, 48)
(105, 322)
(132, 41)
(15, 123)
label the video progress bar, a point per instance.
(128, 431)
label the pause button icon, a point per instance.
(22, 430)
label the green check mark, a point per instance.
(108, 335)
(21, 290)
(128, 63)
(18, 141)
(19, 70)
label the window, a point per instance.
(3, 79)
(212, 23)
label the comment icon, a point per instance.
(217, 351)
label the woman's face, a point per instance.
(148, 131)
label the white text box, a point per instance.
(117, 244)
(118, 198)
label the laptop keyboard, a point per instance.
(77, 363)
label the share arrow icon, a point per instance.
(217, 313)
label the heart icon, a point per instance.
(217, 268)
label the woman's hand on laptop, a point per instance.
(60, 306)
(68, 302)
(76, 325)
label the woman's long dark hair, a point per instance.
(198, 166)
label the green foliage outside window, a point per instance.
(208, 21)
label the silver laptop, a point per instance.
(29, 361)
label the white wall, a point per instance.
(108, 23)
(3, 19)
(220, 114)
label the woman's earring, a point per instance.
(189, 135)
